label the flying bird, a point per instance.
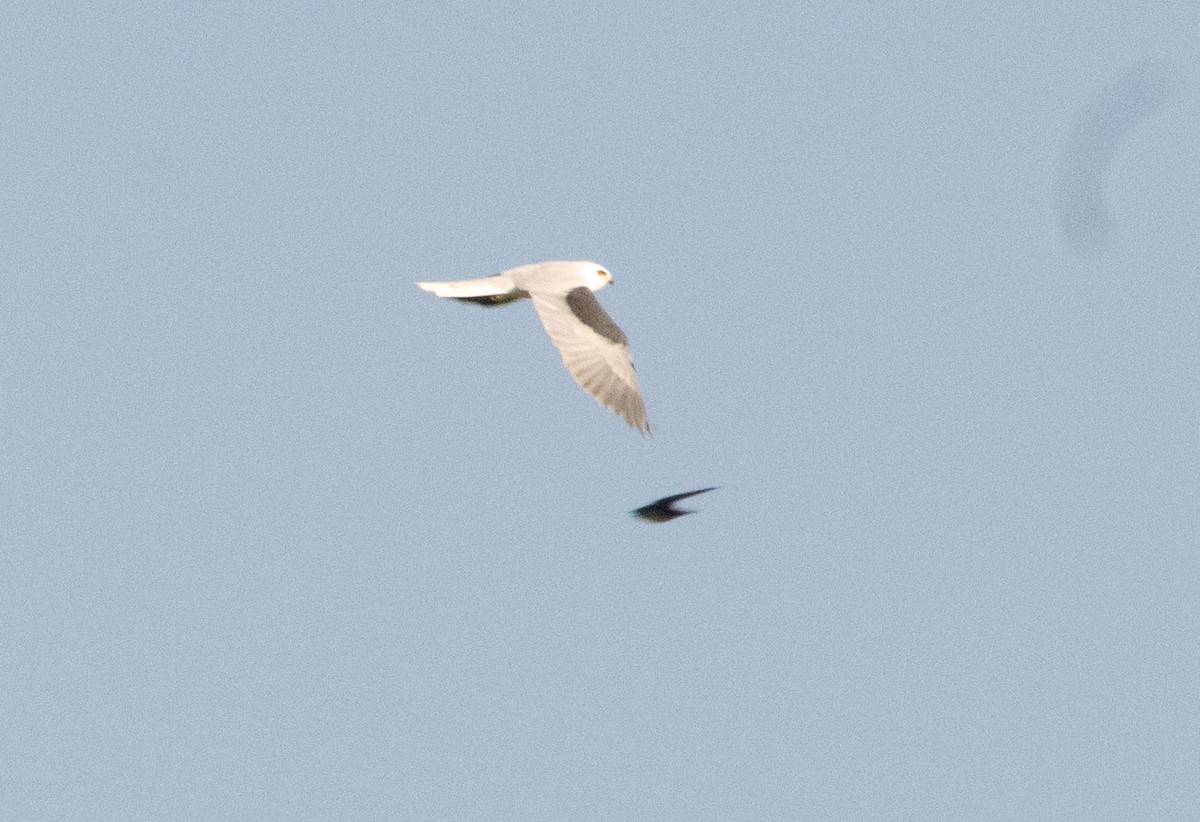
(593, 348)
(1101, 128)
(664, 510)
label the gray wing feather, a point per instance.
(594, 350)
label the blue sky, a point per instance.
(287, 538)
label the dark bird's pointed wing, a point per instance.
(677, 497)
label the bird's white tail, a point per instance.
(466, 289)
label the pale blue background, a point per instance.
(286, 538)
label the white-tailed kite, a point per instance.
(593, 348)
(664, 510)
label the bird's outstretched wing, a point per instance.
(594, 350)
(496, 290)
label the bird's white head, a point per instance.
(595, 276)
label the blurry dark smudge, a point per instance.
(1093, 142)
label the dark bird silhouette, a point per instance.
(662, 510)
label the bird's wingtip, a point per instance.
(640, 424)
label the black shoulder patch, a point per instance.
(587, 308)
